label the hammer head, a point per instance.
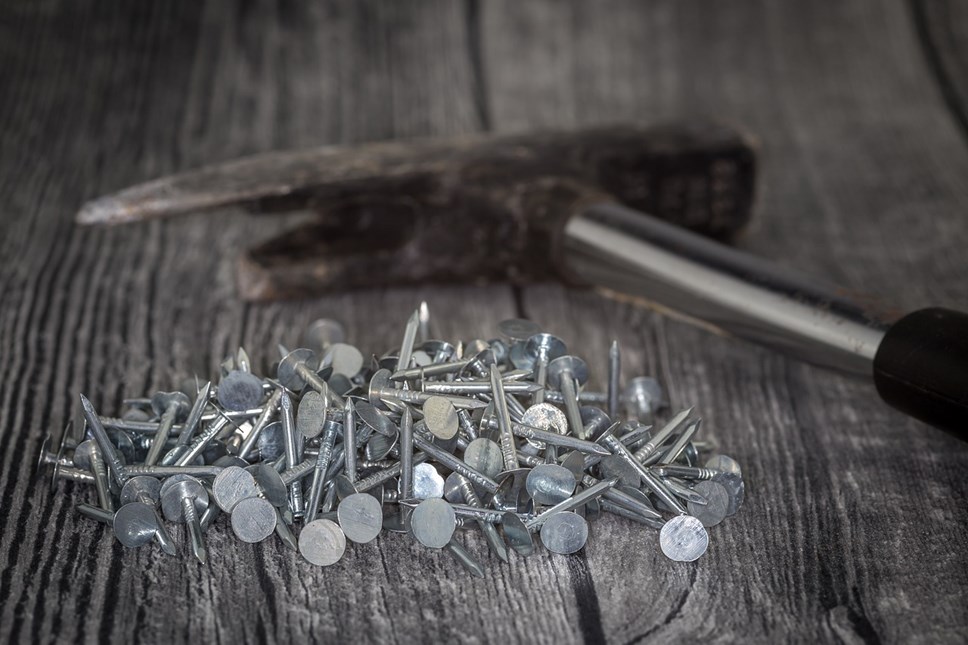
(473, 209)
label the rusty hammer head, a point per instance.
(472, 209)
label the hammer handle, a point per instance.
(919, 364)
(921, 368)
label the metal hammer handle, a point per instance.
(919, 364)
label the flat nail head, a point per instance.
(240, 390)
(545, 416)
(345, 360)
(518, 329)
(736, 489)
(361, 517)
(231, 486)
(517, 534)
(135, 524)
(311, 415)
(564, 533)
(322, 542)
(433, 523)
(253, 519)
(683, 539)
(440, 417)
(717, 503)
(427, 482)
(549, 484)
(485, 456)
(270, 483)
(375, 420)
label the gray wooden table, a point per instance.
(854, 528)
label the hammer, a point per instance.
(569, 206)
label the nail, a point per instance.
(571, 503)
(95, 513)
(409, 337)
(319, 472)
(182, 499)
(508, 448)
(113, 461)
(406, 454)
(295, 371)
(87, 455)
(541, 349)
(456, 464)
(659, 438)
(684, 438)
(568, 374)
(465, 559)
(188, 454)
(491, 534)
(423, 315)
(172, 406)
(139, 512)
(349, 440)
(267, 416)
(195, 415)
(292, 451)
(614, 378)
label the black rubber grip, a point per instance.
(921, 368)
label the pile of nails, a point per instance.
(497, 436)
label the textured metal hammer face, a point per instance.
(475, 209)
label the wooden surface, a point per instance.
(854, 528)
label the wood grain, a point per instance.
(854, 525)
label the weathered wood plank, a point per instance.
(863, 185)
(854, 527)
(120, 312)
(942, 31)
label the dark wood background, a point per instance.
(854, 528)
